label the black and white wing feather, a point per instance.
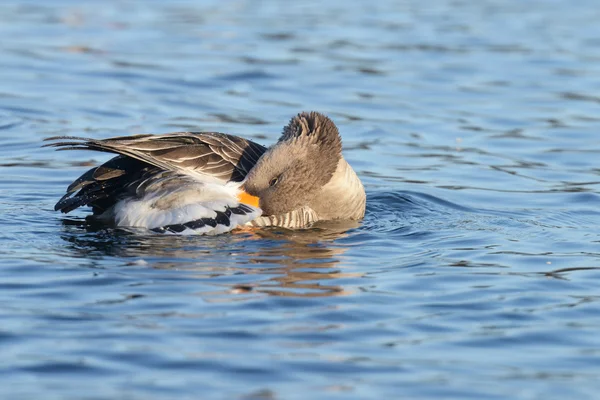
(179, 182)
(204, 155)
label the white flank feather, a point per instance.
(185, 204)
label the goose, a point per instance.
(211, 183)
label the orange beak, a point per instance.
(246, 198)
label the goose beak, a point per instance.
(246, 198)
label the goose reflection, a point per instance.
(281, 262)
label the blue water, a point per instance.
(474, 126)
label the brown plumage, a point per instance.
(142, 157)
(301, 179)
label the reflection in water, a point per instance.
(301, 263)
(307, 260)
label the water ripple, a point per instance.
(473, 275)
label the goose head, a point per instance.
(293, 172)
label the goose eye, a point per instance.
(273, 181)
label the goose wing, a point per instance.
(205, 156)
(218, 155)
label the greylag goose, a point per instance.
(210, 183)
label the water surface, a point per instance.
(475, 274)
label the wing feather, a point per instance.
(203, 155)
(184, 152)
